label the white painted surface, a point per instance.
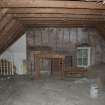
(18, 52)
(89, 63)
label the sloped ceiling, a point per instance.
(17, 15)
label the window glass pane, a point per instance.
(79, 62)
(82, 57)
(85, 61)
(79, 53)
(85, 52)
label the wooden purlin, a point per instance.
(51, 4)
(65, 16)
(65, 23)
(55, 10)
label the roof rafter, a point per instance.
(14, 14)
(5, 21)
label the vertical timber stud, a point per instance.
(37, 68)
(62, 69)
(59, 70)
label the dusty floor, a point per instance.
(48, 92)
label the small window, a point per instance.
(83, 56)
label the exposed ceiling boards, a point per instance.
(3, 12)
(15, 15)
(49, 12)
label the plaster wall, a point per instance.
(17, 52)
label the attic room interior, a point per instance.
(52, 52)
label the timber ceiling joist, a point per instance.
(15, 15)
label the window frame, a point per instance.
(88, 57)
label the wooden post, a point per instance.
(0, 67)
(7, 68)
(37, 68)
(62, 68)
(12, 66)
(59, 67)
(3, 68)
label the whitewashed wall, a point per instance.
(18, 52)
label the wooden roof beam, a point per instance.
(55, 10)
(58, 16)
(62, 19)
(9, 29)
(82, 22)
(3, 12)
(51, 4)
(57, 25)
(18, 33)
(17, 27)
(4, 32)
(5, 21)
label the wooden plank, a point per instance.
(55, 10)
(7, 32)
(60, 25)
(5, 22)
(13, 34)
(57, 25)
(3, 12)
(60, 19)
(7, 28)
(58, 16)
(9, 43)
(10, 29)
(49, 4)
(16, 29)
(65, 22)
